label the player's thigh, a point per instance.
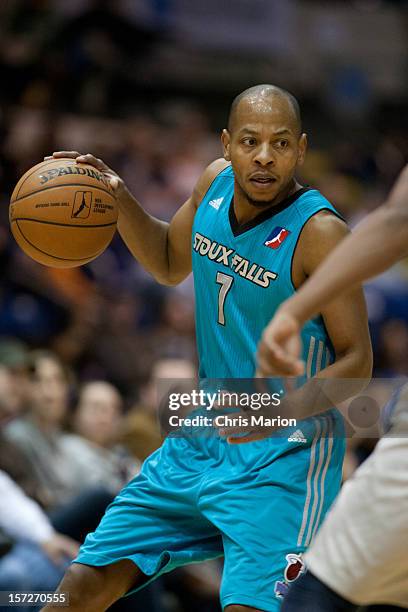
(258, 580)
(268, 521)
(154, 522)
(261, 552)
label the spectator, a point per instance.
(13, 378)
(38, 434)
(12, 459)
(94, 446)
(36, 544)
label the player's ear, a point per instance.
(302, 149)
(226, 139)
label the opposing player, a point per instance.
(360, 554)
(252, 235)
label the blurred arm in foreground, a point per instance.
(377, 243)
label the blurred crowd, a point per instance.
(66, 450)
(81, 350)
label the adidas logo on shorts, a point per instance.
(297, 436)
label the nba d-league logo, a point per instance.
(82, 205)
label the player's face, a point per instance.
(264, 149)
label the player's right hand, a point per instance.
(279, 347)
(117, 184)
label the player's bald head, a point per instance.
(266, 98)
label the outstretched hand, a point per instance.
(116, 183)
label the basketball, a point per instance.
(63, 214)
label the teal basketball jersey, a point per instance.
(242, 274)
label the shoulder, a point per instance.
(325, 224)
(310, 201)
(320, 235)
(207, 177)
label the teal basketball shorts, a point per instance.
(258, 505)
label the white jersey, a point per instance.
(361, 550)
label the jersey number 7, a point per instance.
(225, 281)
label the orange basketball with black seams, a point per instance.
(63, 214)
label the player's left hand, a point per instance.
(278, 355)
(242, 434)
(233, 435)
(279, 347)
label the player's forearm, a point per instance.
(373, 247)
(346, 377)
(146, 238)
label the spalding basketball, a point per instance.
(63, 214)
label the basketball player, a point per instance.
(360, 555)
(252, 235)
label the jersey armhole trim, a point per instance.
(327, 208)
(211, 184)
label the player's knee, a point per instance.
(86, 589)
(83, 585)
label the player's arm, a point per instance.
(345, 318)
(377, 243)
(163, 249)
